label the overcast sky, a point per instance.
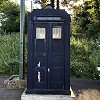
(27, 3)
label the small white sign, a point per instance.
(98, 68)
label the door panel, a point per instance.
(57, 45)
(57, 60)
(40, 56)
(40, 46)
(56, 57)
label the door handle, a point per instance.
(48, 69)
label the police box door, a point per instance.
(49, 55)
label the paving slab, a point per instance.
(25, 96)
(45, 97)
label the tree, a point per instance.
(1, 1)
(93, 15)
(97, 8)
(87, 21)
(44, 3)
(85, 18)
(10, 17)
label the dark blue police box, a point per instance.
(48, 69)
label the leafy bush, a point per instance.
(84, 58)
(83, 54)
(9, 52)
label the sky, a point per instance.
(27, 3)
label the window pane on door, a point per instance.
(40, 33)
(56, 32)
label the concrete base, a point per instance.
(14, 83)
(25, 96)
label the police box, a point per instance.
(48, 69)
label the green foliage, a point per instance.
(10, 17)
(1, 1)
(84, 58)
(9, 52)
(87, 21)
(44, 3)
(85, 52)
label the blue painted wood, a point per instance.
(48, 58)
